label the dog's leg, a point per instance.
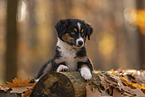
(62, 68)
(85, 72)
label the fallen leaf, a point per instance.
(18, 86)
(27, 93)
(133, 85)
(116, 93)
(18, 89)
(18, 83)
(92, 93)
(112, 70)
(4, 88)
(138, 92)
(125, 80)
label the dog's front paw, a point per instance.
(62, 68)
(86, 73)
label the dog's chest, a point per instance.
(69, 58)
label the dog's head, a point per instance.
(73, 31)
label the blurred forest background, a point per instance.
(28, 36)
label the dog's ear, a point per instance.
(89, 31)
(61, 27)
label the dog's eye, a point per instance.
(72, 33)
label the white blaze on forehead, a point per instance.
(79, 26)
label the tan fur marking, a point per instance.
(84, 38)
(82, 30)
(82, 59)
(86, 66)
(67, 38)
(75, 29)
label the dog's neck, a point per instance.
(67, 50)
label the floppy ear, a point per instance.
(61, 27)
(89, 31)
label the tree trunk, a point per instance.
(141, 6)
(11, 41)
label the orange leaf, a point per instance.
(18, 83)
(9, 84)
(113, 71)
(124, 79)
(26, 81)
(16, 80)
(133, 85)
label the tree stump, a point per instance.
(64, 84)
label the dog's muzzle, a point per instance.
(80, 42)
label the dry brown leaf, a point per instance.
(4, 88)
(92, 93)
(19, 89)
(116, 93)
(138, 92)
(27, 93)
(103, 82)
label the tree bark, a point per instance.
(11, 41)
(64, 84)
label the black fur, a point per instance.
(89, 31)
(57, 54)
(61, 27)
(81, 52)
(41, 71)
(66, 25)
(88, 63)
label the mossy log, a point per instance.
(64, 84)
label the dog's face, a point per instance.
(73, 32)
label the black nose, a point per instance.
(80, 43)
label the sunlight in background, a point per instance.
(106, 43)
(22, 11)
(140, 20)
(136, 17)
(130, 15)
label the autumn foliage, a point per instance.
(118, 84)
(111, 83)
(18, 86)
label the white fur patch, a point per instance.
(79, 26)
(36, 80)
(62, 68)
(68, 54)
(85, 73)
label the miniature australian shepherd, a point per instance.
(70, 49)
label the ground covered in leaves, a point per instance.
(119, 83)
(111, 83)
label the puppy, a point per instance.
(70, 50)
